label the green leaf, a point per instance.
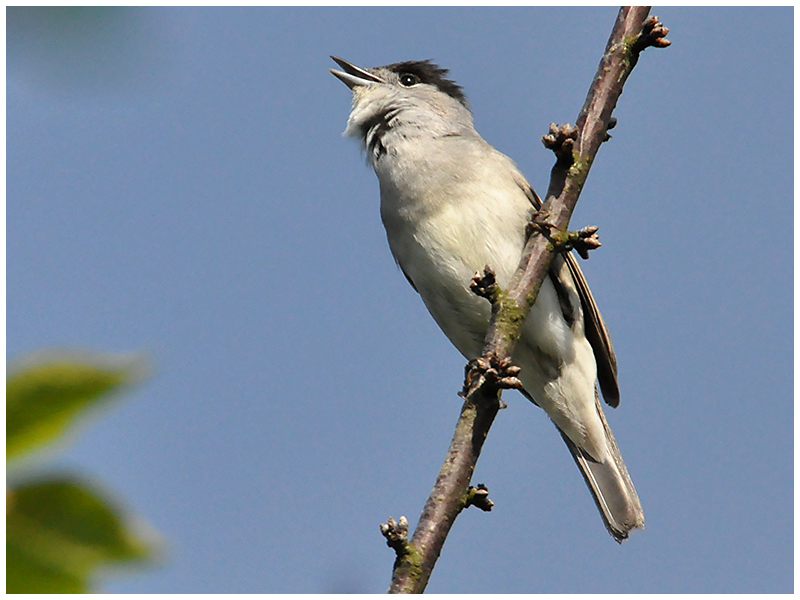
(58, 532)
(43, 399)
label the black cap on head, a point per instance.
(428, 72)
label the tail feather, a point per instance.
(611, 486)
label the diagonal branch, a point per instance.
(489, 374)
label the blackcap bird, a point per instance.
(452, 204)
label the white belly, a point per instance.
(441, 237)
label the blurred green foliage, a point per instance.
(60, 529)
(43, 400)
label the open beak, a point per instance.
(352, 75)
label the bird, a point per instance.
(452, 204)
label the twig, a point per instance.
(575, 149)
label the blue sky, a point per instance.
(177, 185)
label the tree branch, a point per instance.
(488, 375)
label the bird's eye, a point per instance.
(408, 79)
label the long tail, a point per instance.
(611, 486)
